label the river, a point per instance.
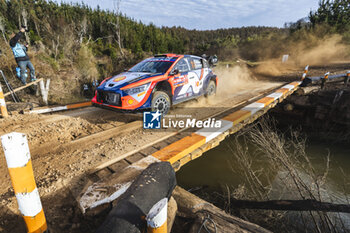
(217, 169)
(214, 169)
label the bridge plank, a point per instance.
(134, 158)
(118, 166)
(148, 151)
(238, 116)
(266, 100)
(103, 173)
(179, 149)
(282, 90)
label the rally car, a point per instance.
(157, 83)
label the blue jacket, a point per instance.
(19, 50)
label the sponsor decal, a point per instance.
(119, 79)
(140, 94)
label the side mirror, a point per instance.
(213, 60)
(174, 72)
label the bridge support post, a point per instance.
(305, 73)
(19, 164)
(157, 217)
(324, 80)
(3, 108)
(346, 80)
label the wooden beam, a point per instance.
(23, 87)
(87, 141)
(119, 158)
(291, 205)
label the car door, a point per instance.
(182, 88)
(199, 71)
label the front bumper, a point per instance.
(109, 98)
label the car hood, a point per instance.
(124, 79)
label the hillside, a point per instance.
(74, 44)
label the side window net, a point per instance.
(182, 66)
(196, 63)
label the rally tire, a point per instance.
(211, 89)
(161, 102)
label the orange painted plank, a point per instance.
(238, 116)
(295, 84)
(266, 100)
(282, 90)
(179, 149)
(79, 105)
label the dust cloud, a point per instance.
(311, 51)
(326, 52)
(232, 82)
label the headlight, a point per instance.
(138, 89)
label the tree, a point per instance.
(334, 13)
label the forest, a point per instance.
(92, 43)
(62, 30)
(49, 22)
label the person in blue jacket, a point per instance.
(20, 52)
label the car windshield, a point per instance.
(152, 66)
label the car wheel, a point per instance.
(211, 89)
(161, 102)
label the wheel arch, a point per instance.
(164, 86)
(210, 78)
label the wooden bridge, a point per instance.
(113, 177)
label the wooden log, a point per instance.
(307, 90)
(291, 205)
(172, 209)
(191, 206)
(23, 87)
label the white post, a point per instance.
(45, 90)
(20, 167)
(3, 108)
(157, 217)
(285, 58)
(305, 72)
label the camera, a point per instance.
(25, 28)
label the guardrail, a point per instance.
(61, 108)
(322, 80)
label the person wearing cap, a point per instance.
(20, 53)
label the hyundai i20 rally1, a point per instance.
(157, 83)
